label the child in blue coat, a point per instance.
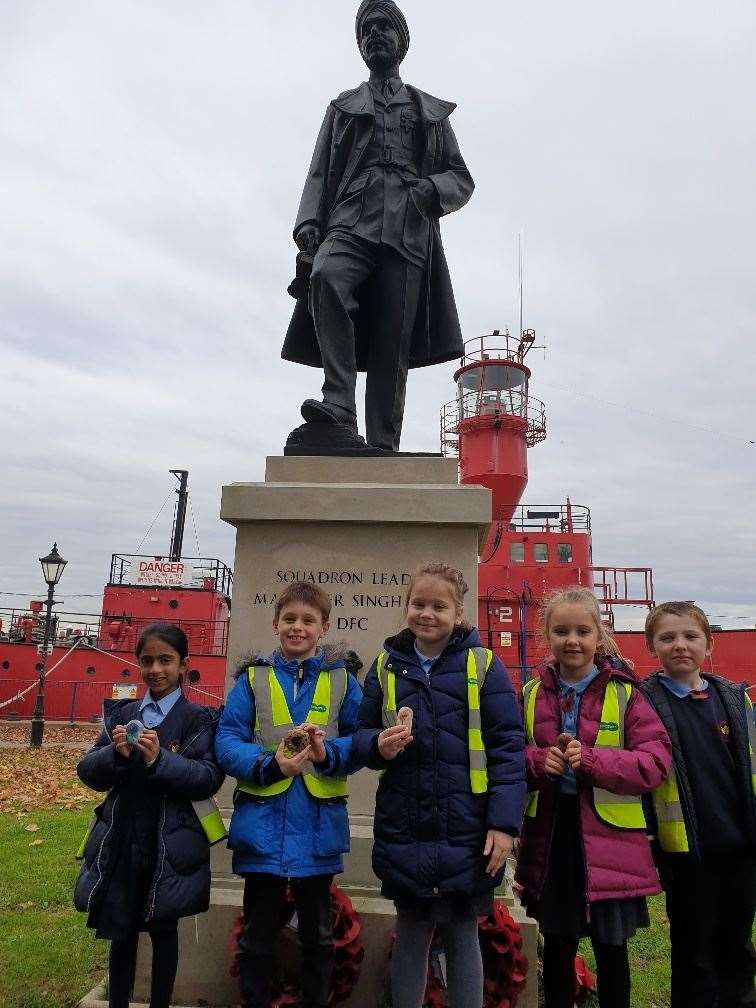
(451, 798)
(290, 823)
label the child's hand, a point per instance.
(574, 754)
(555, 764)
(119, 741)
(148, 745)
(317, 747)
(499, 846)
(392, 741)
(292, 766)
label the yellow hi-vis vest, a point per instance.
(671, 831)
(273, 722)
(206, 811)
(478, 663)
(623, 811)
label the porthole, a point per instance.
(91, 670)
(194, 675)
(6, 664)
(173, 604)
(125, 672)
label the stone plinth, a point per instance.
(359, 528)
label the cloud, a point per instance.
(153, 156)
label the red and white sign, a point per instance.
(161, 573)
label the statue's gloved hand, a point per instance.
(308, 238)
(424, 195)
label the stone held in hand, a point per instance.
(296, 741)
(563, 741)
(134, 731)
(404, 718)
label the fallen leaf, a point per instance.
(31, 828)
(35, 843)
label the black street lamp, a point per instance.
(52, 568)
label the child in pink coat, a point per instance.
(594, 746)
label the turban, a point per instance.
(389, 10)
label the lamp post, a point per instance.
(52, 569)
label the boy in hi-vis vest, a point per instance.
(289, 825)
(705, 814)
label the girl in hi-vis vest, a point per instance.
(289, 826)
(594, 746)
(146, 856)
(451, 796)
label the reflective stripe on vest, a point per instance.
(207, 812)
(211, 820)
(273, 722)
(623, 811)
(671, 831)
(476, 669)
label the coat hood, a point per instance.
(334, 654)
(403, 643)
(609, 668)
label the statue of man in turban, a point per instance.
(386, 167)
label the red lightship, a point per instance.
(533, 549)
(92, 656)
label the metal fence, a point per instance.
(81, 701)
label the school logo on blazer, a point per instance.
(174, 746)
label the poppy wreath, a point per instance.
(349, 950)
(505, 966)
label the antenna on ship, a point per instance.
(179, 520)
(519, 259)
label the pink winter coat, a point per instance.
(618, 862)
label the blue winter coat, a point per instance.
(430, 828)
(152, 802)
(291, 834)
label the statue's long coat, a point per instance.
(344, 137)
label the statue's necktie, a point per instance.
(387, 89)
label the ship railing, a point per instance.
(24, 626)
(79, 701)
(107, 632)
(491, 403)
(623, 586)
(499, 345)
(199, 572)
(561, 519)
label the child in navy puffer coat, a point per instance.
(451, 798)
(146, 858)
(290, 825)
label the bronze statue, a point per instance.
(386, 167)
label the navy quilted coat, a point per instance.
(430, 828)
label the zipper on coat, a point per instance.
(99, 852)
(158, 871)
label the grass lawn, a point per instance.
(48, 959)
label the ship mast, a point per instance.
(177, 535)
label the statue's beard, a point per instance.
(381, 59)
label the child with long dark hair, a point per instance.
(147, 854)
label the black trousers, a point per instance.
(342, 265)
(122, 964)
(265, 914)
(710, 906)
(612, 972)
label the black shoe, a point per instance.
(317, 412)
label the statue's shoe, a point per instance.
(318, 412)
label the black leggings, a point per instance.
(612, 968)
(122, 965)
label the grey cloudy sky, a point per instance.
(151, 160)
